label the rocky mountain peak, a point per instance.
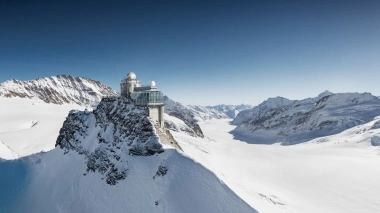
(324, 94)
(111, 133)
(276, 102)
(58, 89)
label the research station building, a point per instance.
(148, 96)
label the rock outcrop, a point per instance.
(114, 129)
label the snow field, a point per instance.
(339, 174)
(29, 126)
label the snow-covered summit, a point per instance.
(270, 103)
(324, 94)
(113, 159)
(298, 121)
(109, 133)
(58, 90)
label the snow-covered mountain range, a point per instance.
(63, 89)
(58, 90)
(30, 104)
(113, 159)
(230, 110)
(287, 121)
(185, 118)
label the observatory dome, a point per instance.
(152, 84)
(131, 75)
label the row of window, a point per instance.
(148, 97)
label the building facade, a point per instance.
(148, 96)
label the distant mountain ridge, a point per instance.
(218, 111)
(86, 92)
(58, 89)
(287, 121)
(190, 115)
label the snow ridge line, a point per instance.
(11, 149)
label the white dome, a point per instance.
(131, 75)
(152, 84)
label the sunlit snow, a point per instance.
(338, 173)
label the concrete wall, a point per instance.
(157, 114)
(153, 113)
(161, 116)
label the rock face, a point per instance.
(190, 115)
(58, 90)
(291, 122)
(376, 125)
(183, 113)
(115, 128)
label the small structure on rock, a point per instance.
(148, 96)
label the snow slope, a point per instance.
(111, 160)
(32, 112)
(332, 174)
(290, 122)
(29, 126)
(187, 186)
(7, 153)
(58, 90)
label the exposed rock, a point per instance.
(376, 125)
(58, 90)
(167, 138)
(162, 170)
(118, 128)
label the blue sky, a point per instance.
(198, 52)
